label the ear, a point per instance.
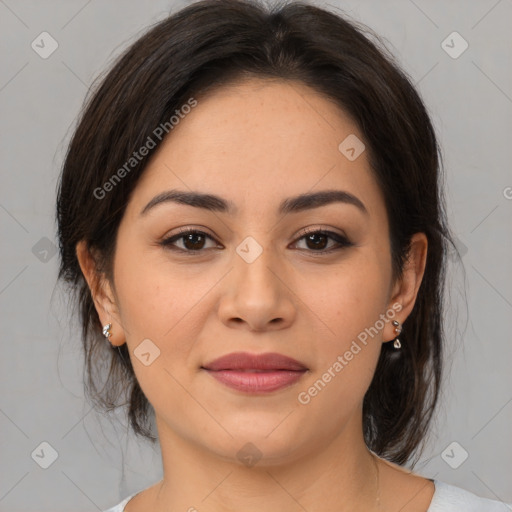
(102, 293)
(405, 289)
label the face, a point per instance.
(254, 279)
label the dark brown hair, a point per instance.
(215, 42)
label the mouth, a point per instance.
(256, 373)
(257, 381)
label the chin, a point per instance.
(270, 445)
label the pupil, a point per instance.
(192, 243)
(316, 245)
(190, 238)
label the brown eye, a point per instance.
(192, 241)
(317, 241)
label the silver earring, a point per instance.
(106, 331)
(398, 330)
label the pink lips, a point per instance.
(256, 373)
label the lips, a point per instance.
(255, 362)
(256, 373)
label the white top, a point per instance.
(447, 498)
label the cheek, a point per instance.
(163, 307)
(348, 300)
(166, 304)
(154, 298)
(347, 308)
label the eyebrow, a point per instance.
(295, 204)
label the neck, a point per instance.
(341, 475)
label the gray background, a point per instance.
(470, 99)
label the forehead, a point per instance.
(259, 139)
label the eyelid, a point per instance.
(304, 231)
(168, 241)
(323, 229)
(340, 238)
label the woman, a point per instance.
(251, 213)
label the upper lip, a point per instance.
(247, 361)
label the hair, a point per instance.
(215, 43)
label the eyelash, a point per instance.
(342, 241)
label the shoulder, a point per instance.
(448, 498)
(120, 506)
(142, 503)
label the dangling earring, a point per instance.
(398, 330)
(106, 331)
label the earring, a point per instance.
(106, 331)
(398, 330)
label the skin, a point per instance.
(256, 143)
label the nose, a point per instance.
(257, 295)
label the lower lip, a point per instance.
(257, 382)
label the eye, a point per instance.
(317, 240)
(193, 241)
